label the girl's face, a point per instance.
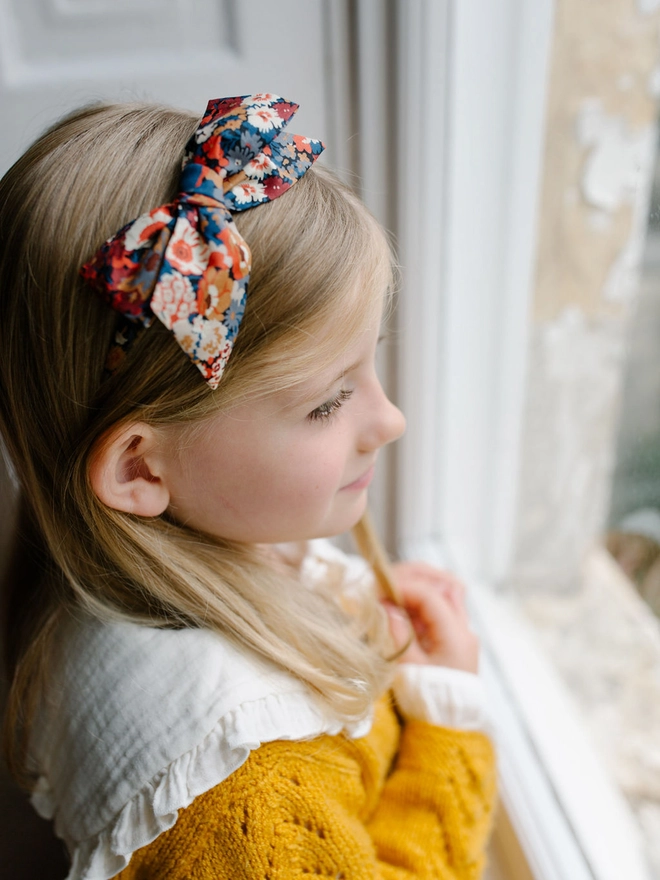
(291, 466)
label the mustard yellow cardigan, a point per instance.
(403, 802)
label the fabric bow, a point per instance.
(186, 262)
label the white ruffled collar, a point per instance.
(144, 720)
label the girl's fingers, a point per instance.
(456, 595)
(435, 602)
(403, 634)
(421, 573)
(420, 595)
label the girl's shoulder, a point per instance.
(139, 721)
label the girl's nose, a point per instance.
(385, 424)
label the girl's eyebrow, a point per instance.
(315, 393)
(349, 369)
(342, 374)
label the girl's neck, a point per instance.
(287, 556)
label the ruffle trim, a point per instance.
(154, 809)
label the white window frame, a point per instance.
(472, 80)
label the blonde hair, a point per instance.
(320, 262)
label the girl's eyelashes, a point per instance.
(327, 409)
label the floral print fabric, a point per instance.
(186, 262)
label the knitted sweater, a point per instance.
(402, 802)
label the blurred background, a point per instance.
(511, 149)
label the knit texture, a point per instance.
(402, 802)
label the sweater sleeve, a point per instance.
(327, 808)
(434, 814)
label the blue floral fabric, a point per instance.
(186, 263)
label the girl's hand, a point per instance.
(435, 606)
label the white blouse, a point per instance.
(140, 721)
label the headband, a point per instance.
(186, 263)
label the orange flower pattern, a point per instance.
(186, 263)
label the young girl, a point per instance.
(199, 688)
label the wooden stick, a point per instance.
(371, 548)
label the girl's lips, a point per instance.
(363, 481)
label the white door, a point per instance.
(58, 54)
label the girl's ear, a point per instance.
(126, 470)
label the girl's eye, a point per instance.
(330, 406)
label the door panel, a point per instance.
(58, 54)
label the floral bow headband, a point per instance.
(186, 263)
